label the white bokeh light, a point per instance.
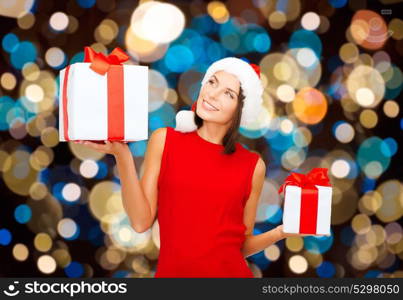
(67, 228)
(285, 93)
(46, 264)
(298, 264)
(54, 56)
(310, 21)
(306, 57)
(340, 168)
(71, 192)
(89, 168)
(158, 22)
(344, 133)
(365, 97)
(59, 21)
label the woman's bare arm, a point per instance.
(139, 197)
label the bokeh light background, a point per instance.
(332, 88)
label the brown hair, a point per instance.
(231, 136)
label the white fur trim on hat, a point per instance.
(185, 121)
(250, 83)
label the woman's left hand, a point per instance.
(284, 235)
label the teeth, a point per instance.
(210, 105)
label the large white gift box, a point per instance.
(307, 203)
(108, 106)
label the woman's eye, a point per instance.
(211, 81)
(228, 93)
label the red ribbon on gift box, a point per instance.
(112, 66)
(101, 63)
(309, 196)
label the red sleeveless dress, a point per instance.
(201, 198)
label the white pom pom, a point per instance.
(185, 121)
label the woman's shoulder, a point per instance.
(254, 159)
(157, 140)
(168, 129)
(173, 132)
(159, 134)
(163, 133)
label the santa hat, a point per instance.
(249, 77)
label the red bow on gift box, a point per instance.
(309, 196)
(101, 63)
(317, 176)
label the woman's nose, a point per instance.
(214, 93)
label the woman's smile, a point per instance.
(208, 106)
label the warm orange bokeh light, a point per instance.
(310, 105)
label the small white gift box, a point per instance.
(307, 203)
(109, 106)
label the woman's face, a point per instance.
(221, 91)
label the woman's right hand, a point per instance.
(109, 147)
(284, 235)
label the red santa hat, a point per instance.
(249, 77)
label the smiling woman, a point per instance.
(204, 184)
(214, 215)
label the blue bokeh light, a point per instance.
(306, 39)
(22, 213)
(10, 42)
(138, 148)
(337, 3)
(179, 58)
(25, 52)
(274, 213)
(326, 269)
(262, 42)
(318, 244)
(74, 269)
(162, 117)
(372, 274)
(368, 184)
(389, 147)
(86, 3)
(102, 169)
(5, 237)
(204, 24)
(6, 104)
(347, 235)
(78, 57)
(371, 150)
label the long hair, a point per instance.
(231, 136)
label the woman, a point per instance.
(204, 184)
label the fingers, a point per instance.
(87, 142)
(95, 146)
(305, 234)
